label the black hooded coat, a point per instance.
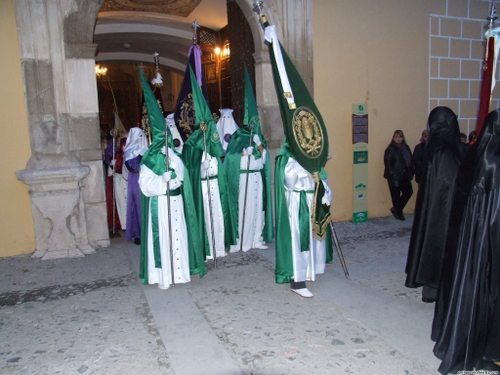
(442, 156)
(466, 324)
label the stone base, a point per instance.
(101, 244)
(58, 254)
(86, 249)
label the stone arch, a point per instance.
(282, 14)
(78, 29)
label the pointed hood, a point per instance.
(118, 126)
(153, 158)
(203, 117)
(176, 136)
(226, 126)
(137, 143)
(251, 115)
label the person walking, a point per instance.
(201, 154)
(136, 146)
(442, 156)
(300, 255)
(399, 173)
(171, 248)
(466, 325)
(248, 168)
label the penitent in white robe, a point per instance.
(306, 264)
(121, 191)
(217, 216)
(254, 209)
(153, 185)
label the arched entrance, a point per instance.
(58, 62)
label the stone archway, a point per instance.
(284, 15)
(65, 168)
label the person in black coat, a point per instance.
(417, 158)
(399, 173)
(466, 326)
(442, 156)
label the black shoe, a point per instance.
(428, 300)
(137, 241)
(394, 213)
(400, 216)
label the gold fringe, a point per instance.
(319, 229)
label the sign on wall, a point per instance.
(360, 163)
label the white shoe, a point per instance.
(303, 292)
(260, 246)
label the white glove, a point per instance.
(248, 151)
(256, 140)
(327, 198)
(113, 162)
(167, 176)
(163, 151)
(205, 164)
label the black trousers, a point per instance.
(401, 194)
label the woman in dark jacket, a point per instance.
(398, 172)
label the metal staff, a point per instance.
(339, 251)
(203, 128)
(114, 133)
(169, 212)
(251, 125)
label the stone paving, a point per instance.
(92, 316)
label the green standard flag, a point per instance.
(303, 125)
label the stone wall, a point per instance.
(456, 52)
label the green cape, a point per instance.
(192, 153)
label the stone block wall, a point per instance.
(456, 52)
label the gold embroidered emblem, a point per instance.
(185, 121)
(215, 137)
(307, 132)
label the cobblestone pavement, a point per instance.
(92, 316)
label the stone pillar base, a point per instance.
(77, 252)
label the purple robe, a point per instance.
(133, 200)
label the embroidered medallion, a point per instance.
(215, 137)
(187, 119)
(307, 132)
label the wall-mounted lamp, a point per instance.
(100, 71)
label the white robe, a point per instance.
(153, 185)
(217, 215)
(306, 264)
(120, 181)
(254, 209)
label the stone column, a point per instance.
(62, 113)
(293, 22)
